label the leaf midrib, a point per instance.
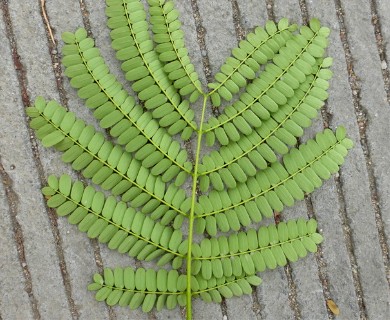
(270, 246)
(100, 216)
(192, 211)
(108, 165)
(249, 55)
(176, 51)
(174, 293)
(266, 90)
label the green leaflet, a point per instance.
(273, 84)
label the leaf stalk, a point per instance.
(192, 212)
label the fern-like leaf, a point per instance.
(275, 84)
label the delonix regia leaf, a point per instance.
(271, 88)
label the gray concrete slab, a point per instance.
(354, 176)
(219, 47)
(273, 295)
(39, 244)
(350, 260)
(288, 9)
(253, 13)
(373, 101)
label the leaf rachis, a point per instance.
(274, 84)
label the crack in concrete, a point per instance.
(55, 59)
(375, 21)
(13, 204)
(85, 17)
(304, 12)
(348, 238)
(240, 31)
(270, 9)
(201, 38)
(256, 305)
(292, 295)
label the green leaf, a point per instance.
(271, 87)
(103, 294)
(56, 200)
(68, 37)
(52, 138)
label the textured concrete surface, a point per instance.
(46, 264)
